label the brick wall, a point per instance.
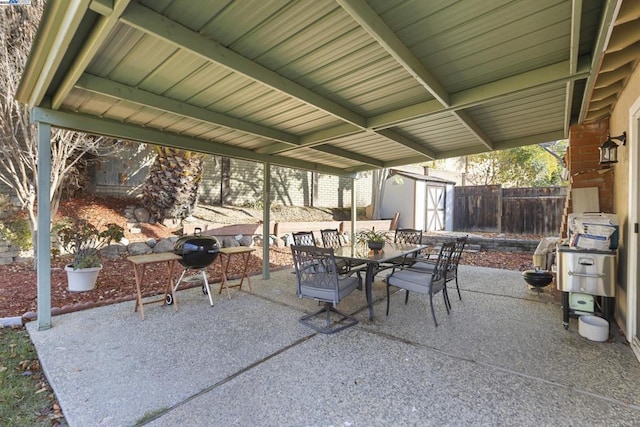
(583, 158)
(288, 186)
(123, 175)
(211, 180)
(245, 182)
(334, 191)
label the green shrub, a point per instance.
(16, 231)
(83, 240)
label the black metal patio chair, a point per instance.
(424, 281)
(408, 236)
(405, 236)
(331, 238)
(304, 238)
(452, 268)
(317, 278)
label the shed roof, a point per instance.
(420, 177)
(334, 86)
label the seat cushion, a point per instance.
(426, 266)
(345, 286)
(429, 267)
(416, 281)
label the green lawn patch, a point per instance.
(25, 396)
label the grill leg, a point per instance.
(180, 279)
(565, 310)
(170, 296)
(206, 284)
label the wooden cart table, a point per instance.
(140, 263)
(228, 253)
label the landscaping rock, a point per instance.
(122, 248)
(246, 241)
(139, 248)
(230, 242)
(110, 251)
(164, 245)
(142, 215)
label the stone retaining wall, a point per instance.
(496, 244)
(280, 230)
(8, 252)
(153, 246)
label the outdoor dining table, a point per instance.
(376, 261)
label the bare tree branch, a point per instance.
(18, 137)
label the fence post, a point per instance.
(500, 209)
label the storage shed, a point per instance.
(424, 202)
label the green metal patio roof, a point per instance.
(337, 86)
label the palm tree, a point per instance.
(171, 188)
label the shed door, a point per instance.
(436, 206)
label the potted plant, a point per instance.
(83, 240)
(375, 240)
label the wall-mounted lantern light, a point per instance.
(609, 150)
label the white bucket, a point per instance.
(593, 328)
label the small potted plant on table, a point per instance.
(374, 240)
(83, 240)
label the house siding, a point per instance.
(619, 123)
(122, 174)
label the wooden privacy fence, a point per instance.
(509, 210)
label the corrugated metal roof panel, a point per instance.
(442, 133)
(464, 47)
(371, 83)
(375, 146)
(310, 155)
(518, 117)
(95, 104)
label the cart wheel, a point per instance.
(204, 290)
(566, 326)
(169, 299)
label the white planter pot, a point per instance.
(82, 279)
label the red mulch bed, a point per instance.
(116, 281)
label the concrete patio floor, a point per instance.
(501, 357)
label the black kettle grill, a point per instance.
(197, 252)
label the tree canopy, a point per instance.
(528, 166)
